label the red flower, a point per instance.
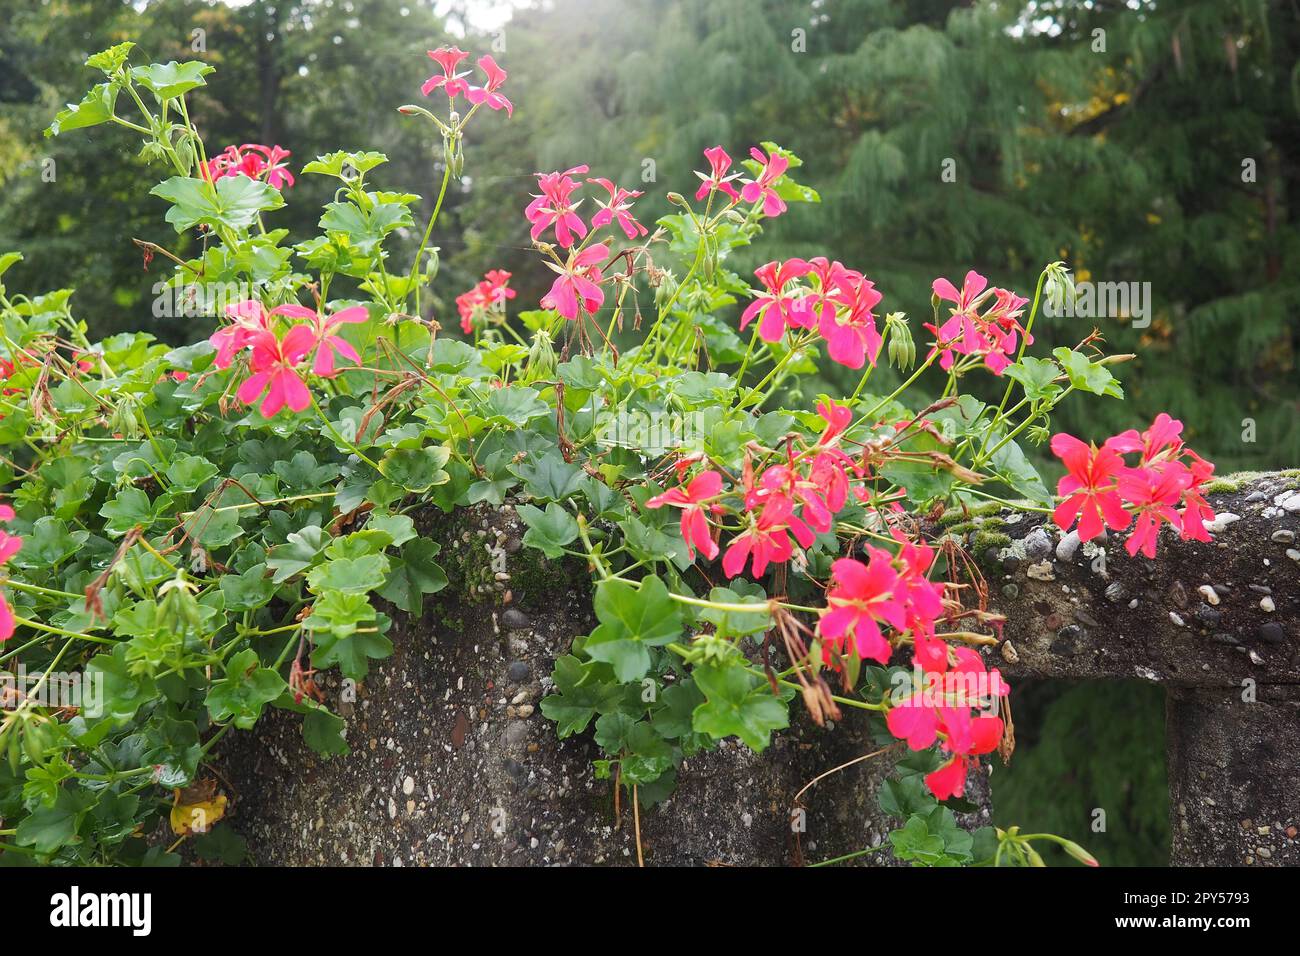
(275, 371)
(860, 599)
(771, 168)
(555, 207)
(718, 177)
(777, 311)
(1153, 490)
(695, 522)
(451, 82)
(767, 539)
(850, 330)
(1091, 487)
(578, 281)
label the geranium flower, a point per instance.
(719, 177)
(761, 189)
(9, 546)
(327, 343)
(254, 161)
(554, 207)
(767, 540)
(861, 597)
(488, 94)
(491, 293)
(451, 82)
(694, 522)
(775, 310)
(575, 283)
(616, 209)
(1090, 489)
(1153, 491)
(274, 366)
(248, 320)
(850, 332)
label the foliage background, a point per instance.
(1126, 162)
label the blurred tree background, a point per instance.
(1139, 140)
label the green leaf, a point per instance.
(49, 828)
(111, 59)
(1037, 376)
(1088, 376)
(187, 472)
(581, 695)
(414, 575)
(131, 508)
(352, 654)
(549, 478)
(244, 691)
(349, 575)
(233, 202)
(737, 703)
(324, 732)
(632, 621)
(95, 107)
(301, 551)
(247, 591)
(49, 544)
(166, 80)
(335, 164)
(549, 531)
(416, 469)
(340, 614)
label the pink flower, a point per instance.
(327, 344)
(777, 311)
(489, 294)
(1154, 491)
(576, 283)
(488, 94)
(762, 190)
(993, 335)
(767, 540)
(9, 546)
(695, 522)
(851, 335)
(451, 82)
(616, 210)
(254, 161)
(275, 371)
(718, 178)
(837, 418)
(860, 599)
(554, 207)
(1090, 488)
(250, 319)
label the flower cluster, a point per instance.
(454, 84)
(993, 335)
(837, 304)
(9, 545)
(274, 359)
(254, 161)
(1101, 489)
(940, 710)
(488, 295)
(797, 497)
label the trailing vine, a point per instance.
(194, 533)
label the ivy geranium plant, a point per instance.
(197, 532)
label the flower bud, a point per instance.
(666, 290)
(1079, 853)
(178, 610)
(540, 365)
(902, 349)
